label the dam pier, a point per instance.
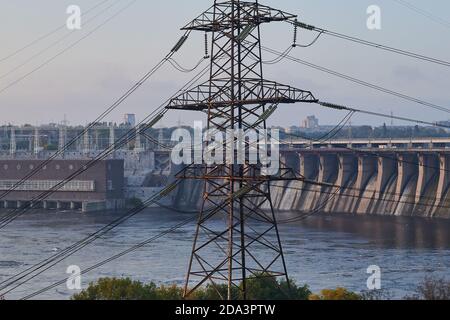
(401, 177)
(384, 177)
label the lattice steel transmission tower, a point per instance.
(236, 236)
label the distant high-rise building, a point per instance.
(129, 119)
(310, 122)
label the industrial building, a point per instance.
(98, 187)
(144, 164)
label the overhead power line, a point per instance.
(146, 123)
(103, 155)
(371, 44)
(331, 185)
(115, 257)
(48, 34)
(37, 269)
(58, 41)
(111, 108)
(378, 114)
(44, 265)
(48, 61)
(24, 276)
(427, 14)
(71, 251)
(358, 81)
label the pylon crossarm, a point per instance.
(218, 18)
(254, 91)
(243, 179)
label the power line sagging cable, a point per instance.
(427, 14)
(48, 34)
(114, 257)
(48, 61)
(59, 152)
(58, 41)
(30, 273)
(358, 81)
(45, 263)
(371, 44)
(382, 115)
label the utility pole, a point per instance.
(235, 237)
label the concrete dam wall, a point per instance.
(386, 183)
(395, 183)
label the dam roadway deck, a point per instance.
(382, 143)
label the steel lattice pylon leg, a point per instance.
(235, 237)
(237, 234)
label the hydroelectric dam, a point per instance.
(394, 177)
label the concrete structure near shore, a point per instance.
(392, 177)
(386, 181)
(57, 184)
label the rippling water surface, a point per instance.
(322, 251)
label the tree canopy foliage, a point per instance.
(258, 288)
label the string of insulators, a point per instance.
(294, 44)
(206, 46)
(333, 106)
(179, 44)
(304, 25)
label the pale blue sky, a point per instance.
(84, 81)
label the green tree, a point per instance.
(259, 288)
(117, 289)
(168, 293)
(266, 287)
(335, 294)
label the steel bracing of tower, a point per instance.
(236, 238)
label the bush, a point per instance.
(217, 292)
(117, 289)
(432, 289)
(268, 288)
(335, 294)
(168, 292)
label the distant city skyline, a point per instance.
(309, 122)
(84, 81)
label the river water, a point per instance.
(324, 251)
